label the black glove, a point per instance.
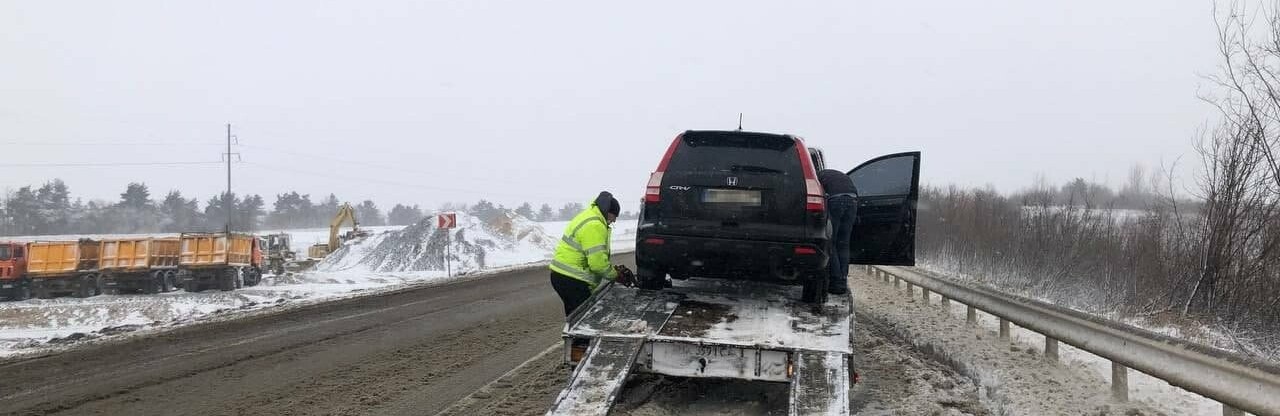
(625, 276)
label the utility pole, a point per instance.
(228, 196)
(228, 202)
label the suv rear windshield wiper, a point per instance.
(753, 168)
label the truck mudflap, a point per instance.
(713, 329)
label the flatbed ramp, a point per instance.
(713, 329)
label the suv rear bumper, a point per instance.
(684, 256)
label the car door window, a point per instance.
(891, 176)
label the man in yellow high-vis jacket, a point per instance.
(581, 261)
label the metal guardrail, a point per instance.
(1239, 383)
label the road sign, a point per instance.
(447, 221)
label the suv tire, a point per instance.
(815, 289)
(648, 278)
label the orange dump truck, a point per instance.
(224, 260)
(149, 265)
(58, 267)
(14, 284)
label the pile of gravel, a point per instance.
(422, 246)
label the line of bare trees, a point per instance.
(1211, 255)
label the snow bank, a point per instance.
(1013, 377)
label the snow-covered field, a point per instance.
(34, 326)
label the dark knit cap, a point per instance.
(607, 204)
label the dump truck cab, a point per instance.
(13, 271)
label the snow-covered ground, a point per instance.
(36, 325)
(1014, 373)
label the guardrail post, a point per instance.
(925, 296)
(971, 315)
(1119, 382)
(1227, 410)
(946, 301)
(1004, 329)
(1050, 349)
(911, 290)
(886, 277)
(897, 282)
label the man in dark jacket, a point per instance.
(842, 208)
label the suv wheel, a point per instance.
(648, 278)
(815, 290)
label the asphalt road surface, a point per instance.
(410, 352)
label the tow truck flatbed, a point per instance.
(710, 328)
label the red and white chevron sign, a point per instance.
(446, 221)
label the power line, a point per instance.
(98, 144)
(97, 164)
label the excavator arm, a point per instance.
(345, 213)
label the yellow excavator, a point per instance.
(345, 213)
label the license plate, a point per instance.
(731, 196)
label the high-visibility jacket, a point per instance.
(583, 252)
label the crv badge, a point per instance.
(680, 188)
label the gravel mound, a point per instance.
(423, 247)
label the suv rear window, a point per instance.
(736, 152)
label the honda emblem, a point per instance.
(733, 181)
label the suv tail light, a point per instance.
(814, 200)
(653, 191)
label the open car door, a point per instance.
(885, 233)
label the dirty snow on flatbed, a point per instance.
(37, 325)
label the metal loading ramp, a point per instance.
(712, 329)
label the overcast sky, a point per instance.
(427, 102)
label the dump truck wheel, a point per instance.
(170, 280)
(252, 276)
(153, 284)
(43, 293)
(22, 293)
(86, 287)
(227, 280)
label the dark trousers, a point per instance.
(573, 292)
(843, 211)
